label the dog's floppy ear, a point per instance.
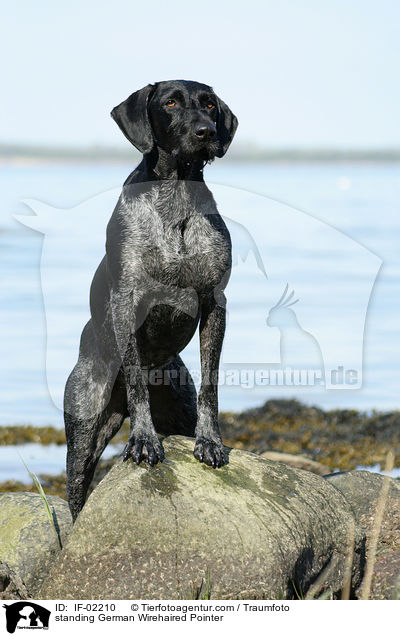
(133, 119)
(227, 124)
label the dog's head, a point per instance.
(184, 118)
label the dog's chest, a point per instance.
(187, 243)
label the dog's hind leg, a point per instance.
(173, 400)
(94, 410)
(86, 441)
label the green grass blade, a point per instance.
(42, 494)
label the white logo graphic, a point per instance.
(292, 306)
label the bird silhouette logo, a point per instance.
(299, 349)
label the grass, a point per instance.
(203, 591)
(200, 592)
(50, 514)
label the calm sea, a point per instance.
(330, 232)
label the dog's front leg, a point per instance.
(208, 447)
(128, 314)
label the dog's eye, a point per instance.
(210, 105)
(171, 103)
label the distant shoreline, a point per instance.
(18, 154)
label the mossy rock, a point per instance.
(252, 529)
(363, 490)
(28, 543)
(11, 585)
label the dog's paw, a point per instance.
(210, 452)
(146, 448)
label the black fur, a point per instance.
(168, 259)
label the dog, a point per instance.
(167, 262)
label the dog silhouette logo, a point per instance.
(26, 615)
(272, 243)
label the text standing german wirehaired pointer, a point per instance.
(167, 262)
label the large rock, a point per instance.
(28, 544)
(11, 585)
(252, 529)
(363, 490)
(297, 461)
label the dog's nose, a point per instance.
(205, 132)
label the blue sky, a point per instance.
(296, 73)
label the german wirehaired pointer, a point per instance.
(167, 262)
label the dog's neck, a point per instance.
(164, 166)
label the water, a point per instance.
(39, 459)
(332, 272)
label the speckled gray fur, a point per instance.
(167, 262)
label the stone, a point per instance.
(11, 585)
(252, 529)
(362, 490)
(28, 544)
(297, 461)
